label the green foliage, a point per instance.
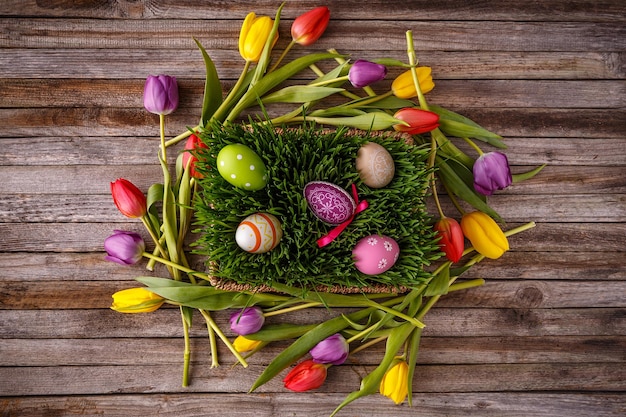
(293, 158)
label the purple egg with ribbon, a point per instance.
(329, 202)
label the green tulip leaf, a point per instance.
(367, 121)
(267, 48)
(460, 188)
(527, 175)
(283, 331)
(440, 283)
(414, 344)
(300, 94)
(460, 126)
(336, 111)
(390, 62)
(212, 87)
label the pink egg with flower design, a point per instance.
(375, 254)
(329, 202)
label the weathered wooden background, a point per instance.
(546, 336)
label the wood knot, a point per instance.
(528, 297)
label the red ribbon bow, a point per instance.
(333, 234)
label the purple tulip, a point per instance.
(333, 349)
(160, 94)
(248, 321)
(124, 248)
(363, 73)
(491, 173)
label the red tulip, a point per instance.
(130, 201)
(452, 241)
(420, 121)
(306, 376)
(308, 27)
(193, 144)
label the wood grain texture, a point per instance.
(545, 335)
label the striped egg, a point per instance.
(259, 233)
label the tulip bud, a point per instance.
(309, 26)
(451, 241)
(253, 36)
(160, 94)
(420, 121)
(491, 173)
(363, 73)
(191, 146)
(249, 320)
(130, 201)
(241, 344)
(136, 300)
(484, 234)
(306, 376)
(124, 248)
(404, 87)
(333, 349)
(395, 382)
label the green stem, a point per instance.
(287, 49)
(326, 82)
(187, 351)
(182, 136)
(473, 145)
(224, 107)
(176, 266)
(291, 309)
(162, 131)
(368, 344)
(222, 336)
(410, 49)
(213, 343)
(465, 285)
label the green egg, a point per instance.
(242, 167)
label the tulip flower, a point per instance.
(491, 173)
(253, 36)
(452, 241)
(395, 382)
(136, 300)
(241, 344)
(249, 320)
(333, 349)
(160, 94)
(306, 376)
(308, 27)
(130, 201)
(193, 144)
(124, 248)
(404, 87)
(419, 121)
(363, 73)
(484, 234)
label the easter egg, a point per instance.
(375, 254)
(241, 167)
(375, 165)
(259, 233)
(329, 202)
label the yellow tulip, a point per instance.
(241, 344)
(403, 86)
(395, 383)
(485, 234)
(254, 33)
(136, 300)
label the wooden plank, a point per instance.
(574, 208)
(468, 93)
(433, 350)
(449, 322)
(552, 10)
(55, 180)
(458, 378)
(64, 267)
(137, 64)
(16, 295)
(88, 237)
(383, 35)
(140, 150)
(472, 404)
(523, 122)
